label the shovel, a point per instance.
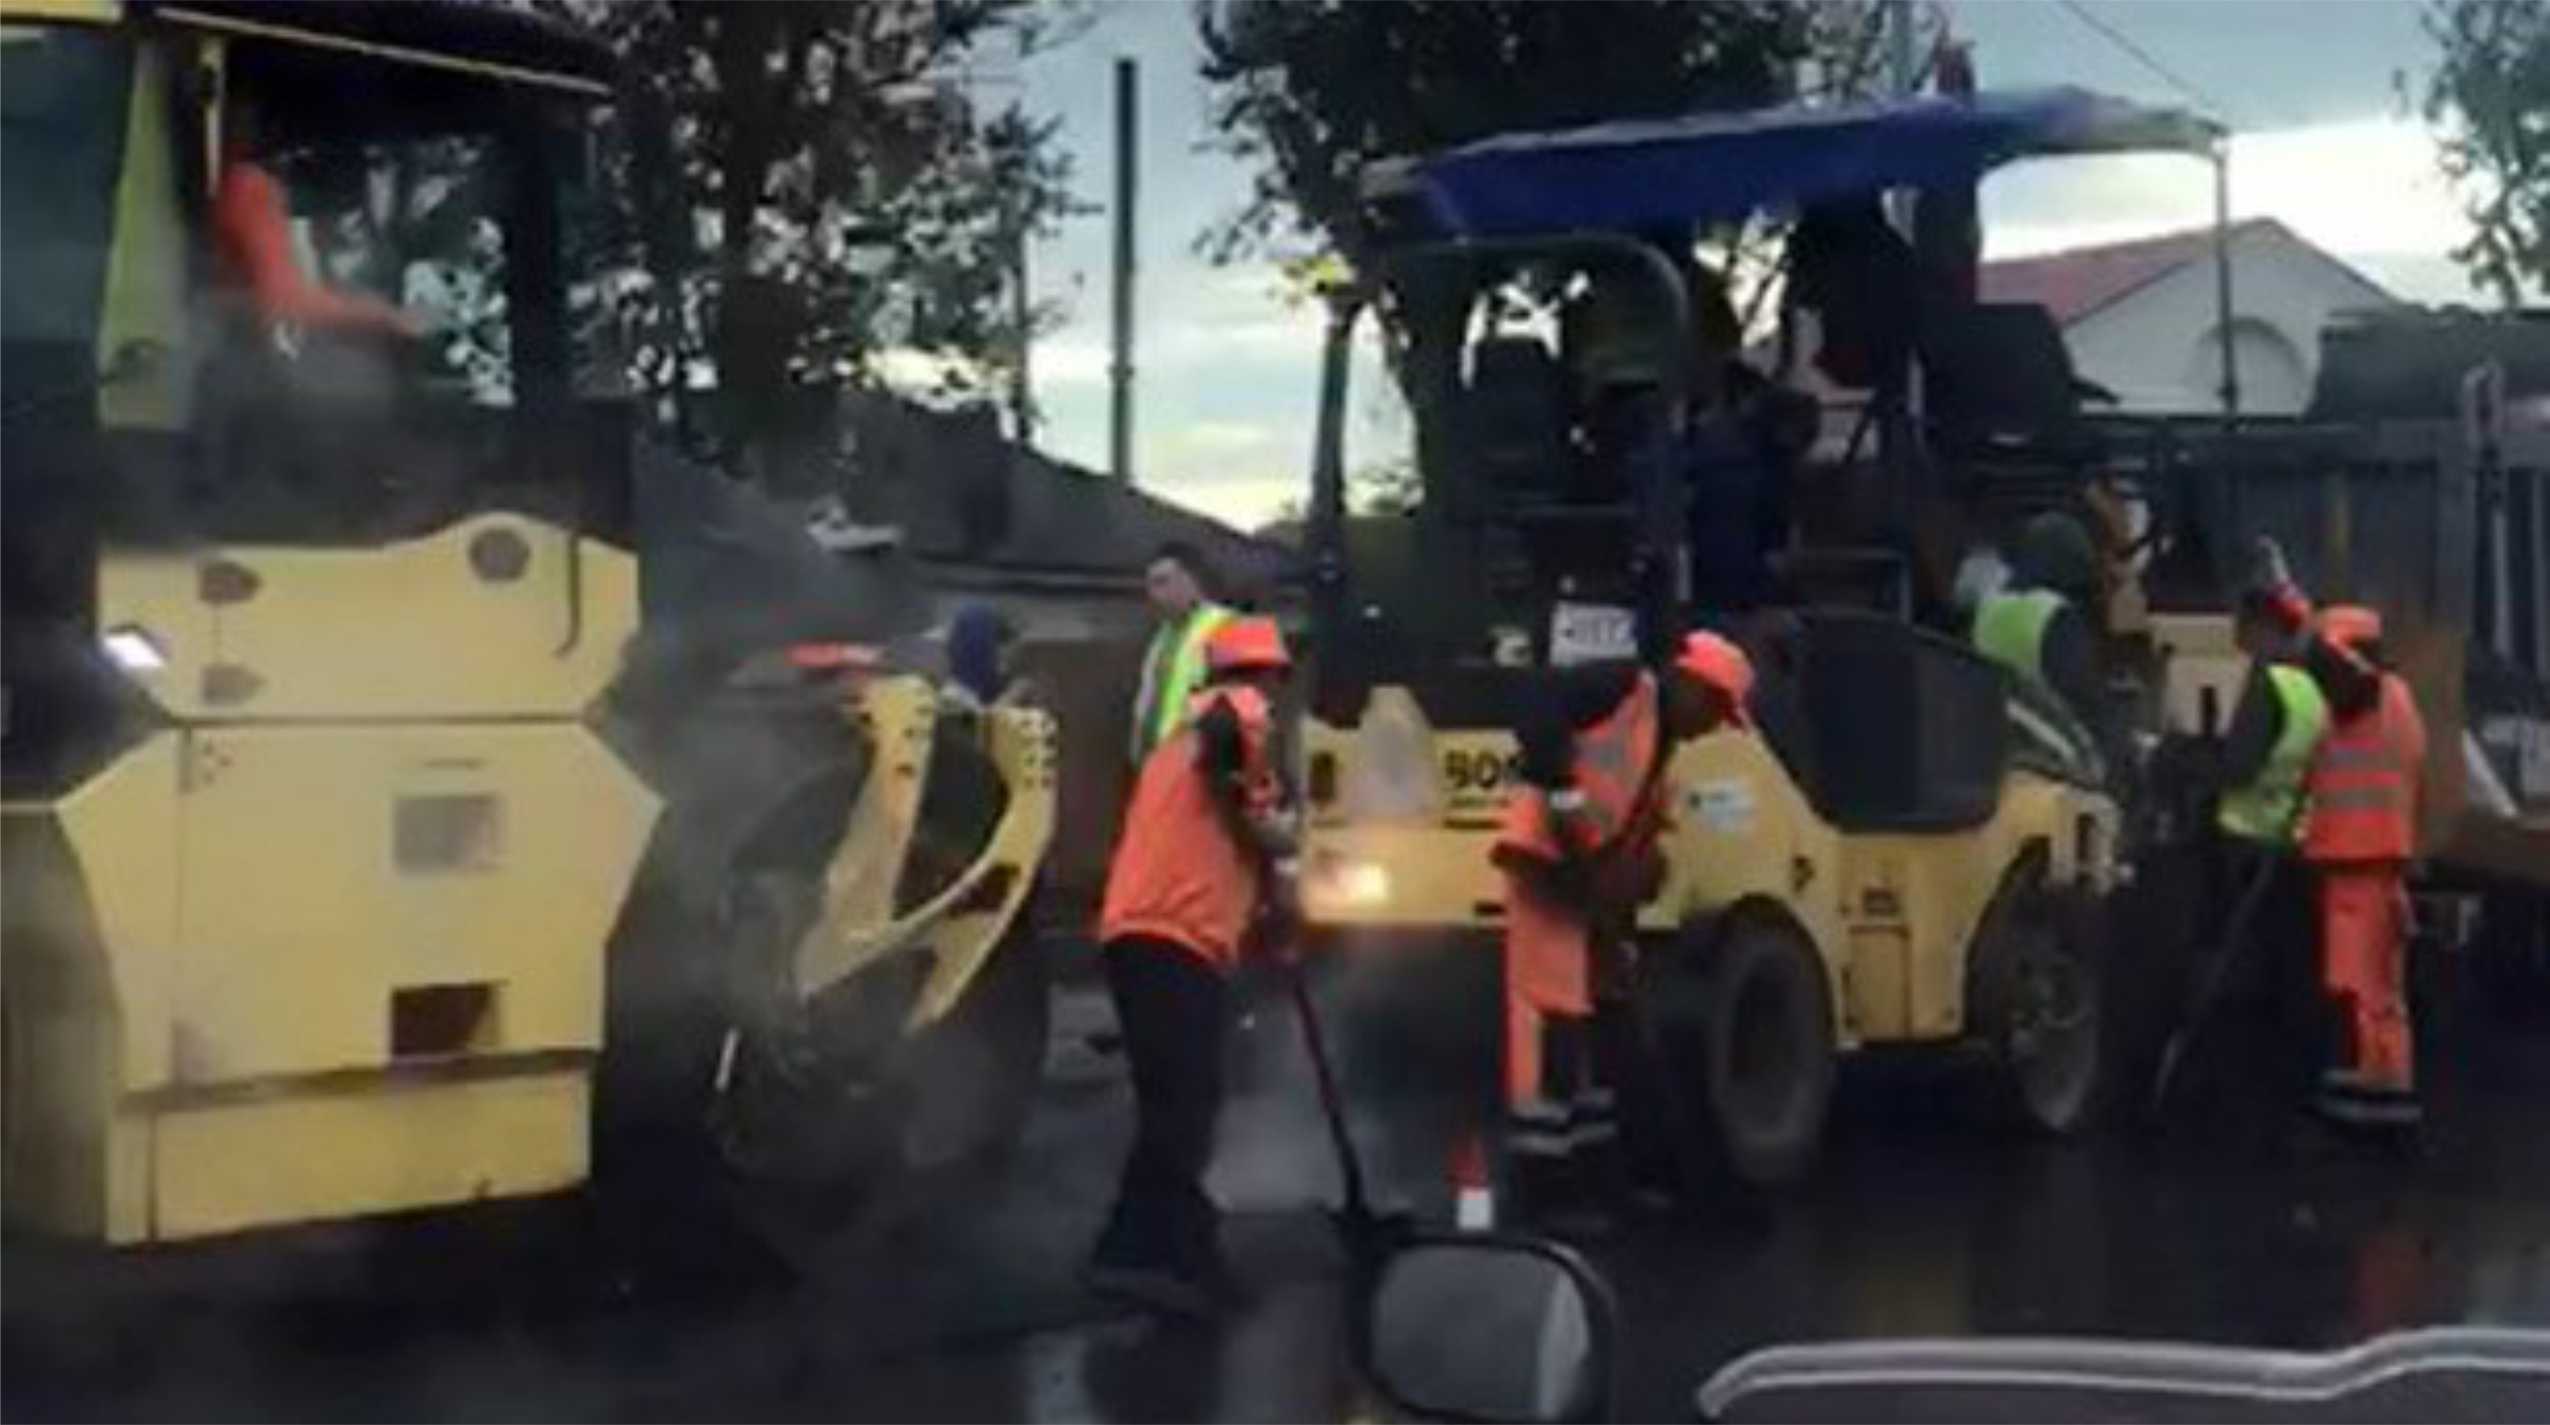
(2217, 972)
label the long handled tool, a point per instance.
(2216, 973)
(1357, 1212)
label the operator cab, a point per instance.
(440, 196)
(1599, 465)
(432, 158)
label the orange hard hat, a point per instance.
(1721, 665)
(1246, 643)
(2350, 626)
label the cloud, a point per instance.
(1246, 502)
(1220, 438)
(2366, 189)
(1073, 362)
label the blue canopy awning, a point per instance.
(1720, 167)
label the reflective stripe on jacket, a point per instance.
(1614, 765)
(1547, 944)
(2362, 782)
(2269, 808)
(1172, 672)
(1178, 873)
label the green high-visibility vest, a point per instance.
(1172, 670)
(2269, 808)
(2010, 629)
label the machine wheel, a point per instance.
(971, 1079)
(1750, 1023)
(2038, 1003)
(800, 1098)
(832, 1098)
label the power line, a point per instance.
(2144, 57)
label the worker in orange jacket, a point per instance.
(2360, 836)
(252, 238)
(1578, 846)
(1206, 850)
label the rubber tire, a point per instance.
(2033, 921)
(1748, 1031)
(971, 1079)
(823, 1159)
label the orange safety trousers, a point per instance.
(1547, 975)
(2364, 972)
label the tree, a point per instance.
(1308, 93)
(2490, 96)
(799, 187)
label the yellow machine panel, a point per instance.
(251, 1161)
(425, 875)
(2205, 669)
(1741, 828)
(1402, 839)
(263, 974)
(498, 616)
(1894, 915)
(340, 951)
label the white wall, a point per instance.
(2156, 347)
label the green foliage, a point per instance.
(1386, 487)
(2490, 97)
(807, 185)
(1308, 92)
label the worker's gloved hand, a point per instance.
(2267, 569)
(2271, 580)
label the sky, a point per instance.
(1226, 372)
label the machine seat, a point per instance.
(1904, 730)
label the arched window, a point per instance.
(2275, 377)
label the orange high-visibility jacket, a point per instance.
(1178, 874)
(2363, 782)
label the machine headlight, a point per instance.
(1346, 881)
(133, 649)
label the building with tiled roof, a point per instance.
(2140, 318)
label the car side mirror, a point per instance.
(1473, 1327)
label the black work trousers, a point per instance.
(1173, 1008)
(2269, 1007)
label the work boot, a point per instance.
(1149, 1256)
(1165, 1290)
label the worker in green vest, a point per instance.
(2038, 626)
(2280, 719)
(1173, 666)
(2265, 757)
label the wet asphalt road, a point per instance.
(955, 1301)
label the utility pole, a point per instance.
(1022, 388)
(1022, 308)
(1902, 76)
(1120, 370)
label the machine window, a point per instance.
(417, 222)
(62, 96)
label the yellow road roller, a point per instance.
(1913, 849)
(388, 754)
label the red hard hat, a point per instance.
(1721, 665)
(1246, 643)
(2350, 626)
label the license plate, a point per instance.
(1591, 633)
